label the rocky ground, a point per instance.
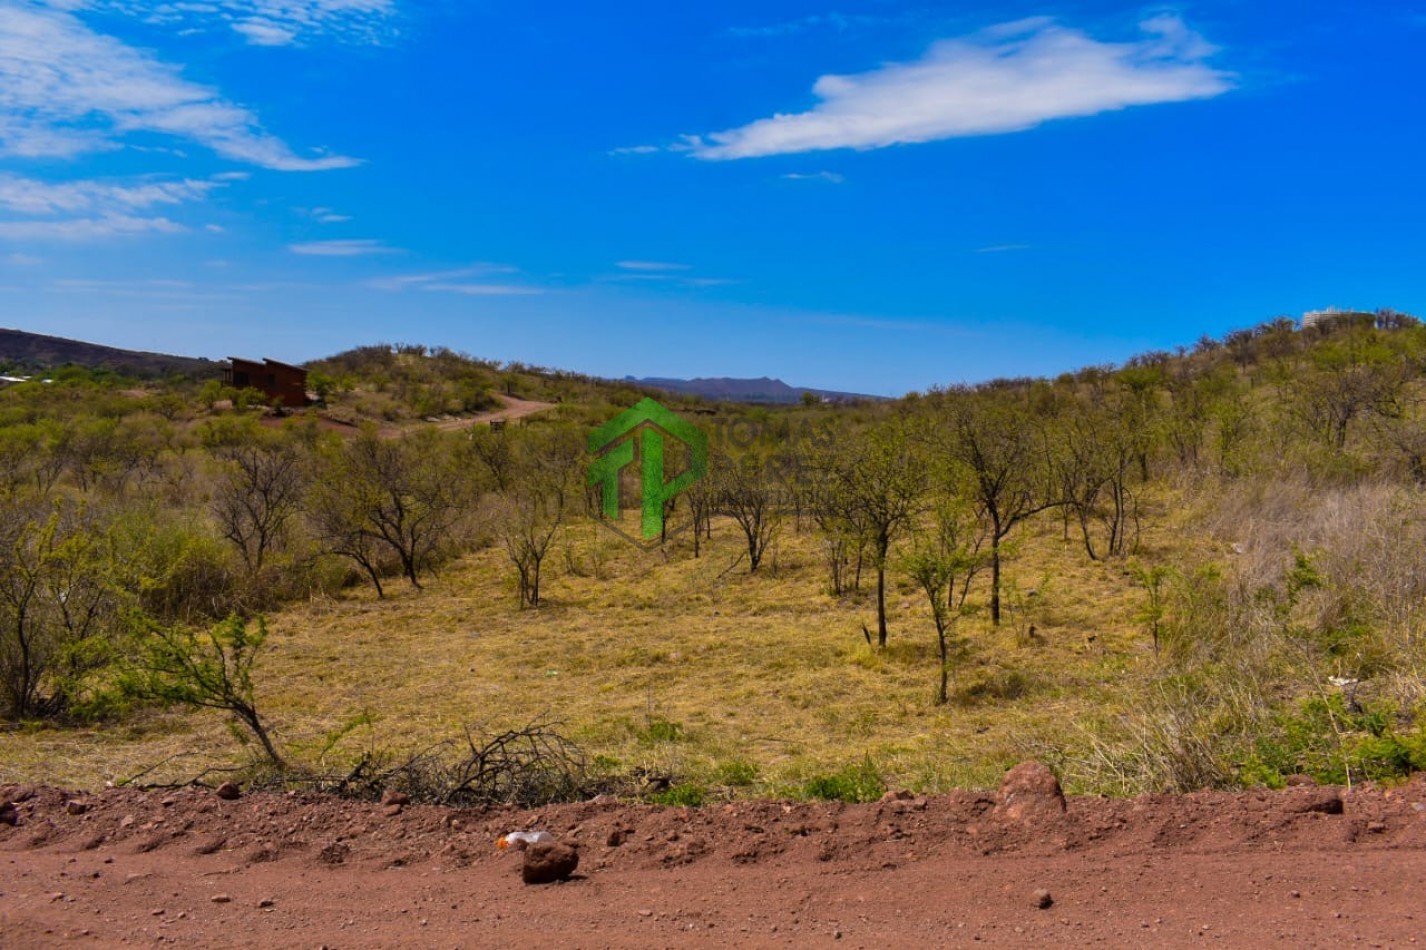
(1304, 867)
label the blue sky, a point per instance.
(874, 196)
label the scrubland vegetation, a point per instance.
(1199, 569)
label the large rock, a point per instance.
(1030, 793)
(549, 861)
(9, 814)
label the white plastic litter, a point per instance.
(520, 840)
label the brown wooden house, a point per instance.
(280, 381)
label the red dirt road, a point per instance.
(1247, 869)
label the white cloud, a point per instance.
(85, 229)
(32, 197)
(1007, 78)
(260, 32)
(24, 260)
(458, 282)
(65, 89)
(1001, 248)
(485, 290)
(263, 22)
(90, 209)
(351, 247)
(830, 177)
(651, 266)
(635, 150)
(402, 282)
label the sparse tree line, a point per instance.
(129, 523)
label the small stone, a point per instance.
(221, 898)
(391, 811)
(265, 903)
(1042, 899)
(615, 839)
(393, 797)
(126, 821)
(549, 861)
(228, 791)
(1376, 827)
(9, 814)
(76, 807)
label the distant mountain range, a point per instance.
(23, 351)
(729, 389)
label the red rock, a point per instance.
(547, 862)
(1030, 793)
(229, 791)
(392, 797)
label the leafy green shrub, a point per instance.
(855, 783)
(1331, 741)
(659, 729)
(685, 794)
(737, 773)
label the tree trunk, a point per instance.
(249, 716)
(881, 593)
(995, 580)
(943, 697)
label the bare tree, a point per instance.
(879, 478)
(543, 485)
(749, 495)
(257, 495)
(402, 499)
(943, 563)
(993, 435)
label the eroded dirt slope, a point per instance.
(1304, 867)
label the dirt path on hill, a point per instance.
(187, 868)
(514, 408)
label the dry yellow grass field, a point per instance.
(681, 666)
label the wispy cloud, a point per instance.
(350, 247)
(662, 272)
(459, 281)
(636, 150)
(485, 290)
(651, 266)
(24, 260)
(66, 89)
(1001, 248)
(85, 229)
(831, 178)
(324, 215)
(406, 281)
(33, 197)
(263, 32)
(1008, 78)
(266, 22)
(91, 209)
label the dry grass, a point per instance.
(658, 661)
